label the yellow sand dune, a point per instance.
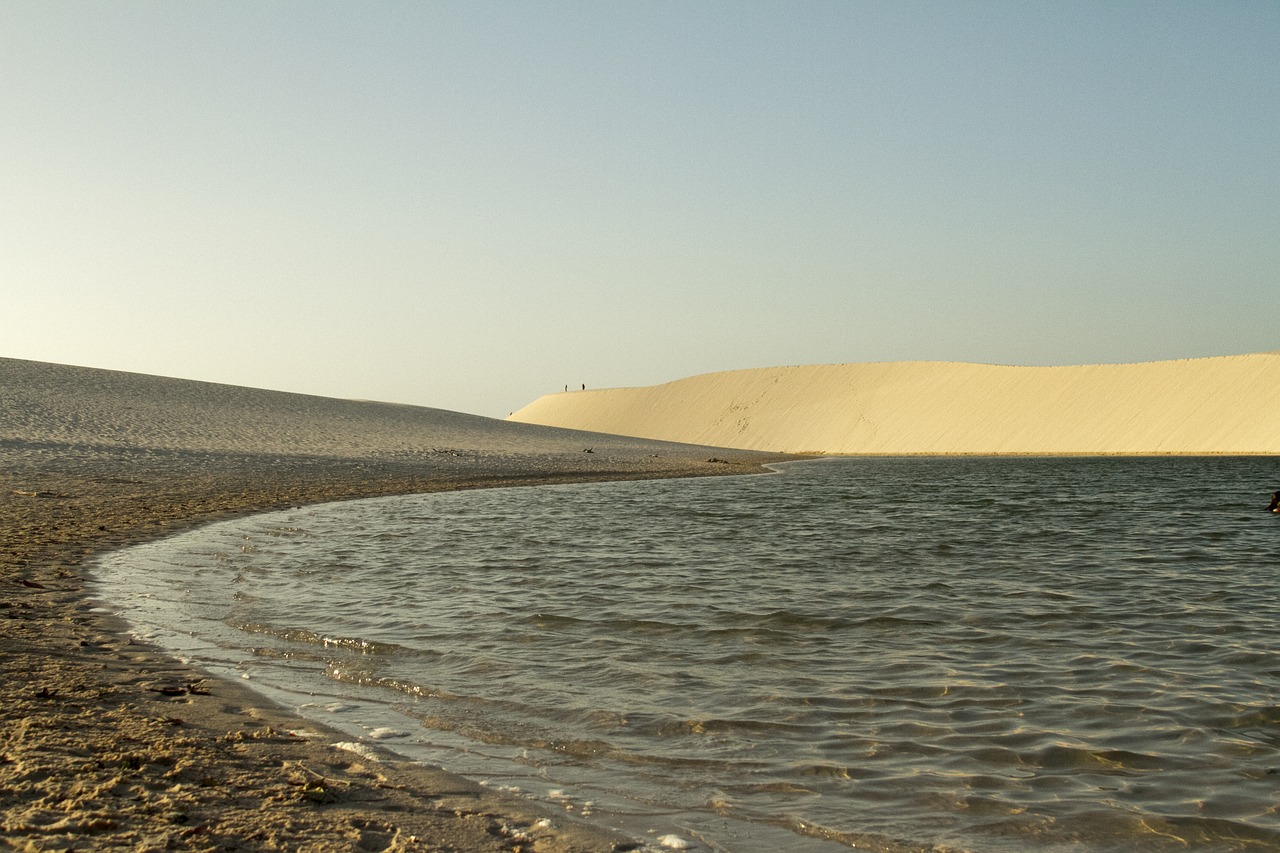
(1228, 404)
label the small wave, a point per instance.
(1067, 758)
(667, 727)
(856, 840)
(285, 532)
(268, 653)
(555, 620)
(609, 623)
(303, 635)
(353, 673)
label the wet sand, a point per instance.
(109, 744)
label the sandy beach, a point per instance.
(1225, 404)
(109, 744)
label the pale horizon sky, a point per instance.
(466, 205)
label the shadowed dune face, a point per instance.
(79, 405)
(61, 404)
(1228, 404)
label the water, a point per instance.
(887, 654)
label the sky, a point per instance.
(466, 205)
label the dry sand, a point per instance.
(108, 744)
(1229, 404)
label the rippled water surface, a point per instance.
(890, 654)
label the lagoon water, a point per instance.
(986, 654)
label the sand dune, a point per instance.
(1228, 404)
(106, 408)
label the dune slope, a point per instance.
(1228, 404)
(83, 406)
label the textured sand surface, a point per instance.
(84, 406)
(108, 744)
(1229, 404)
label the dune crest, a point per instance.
(1225, 404)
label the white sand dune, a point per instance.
(1228, 404)
(88, 406)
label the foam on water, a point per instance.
(894, 654)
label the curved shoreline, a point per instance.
(114, 743)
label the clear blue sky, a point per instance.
(469, 204)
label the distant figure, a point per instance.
(1275, 502)
(566, 388)
(584, 386)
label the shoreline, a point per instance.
(112, 743)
